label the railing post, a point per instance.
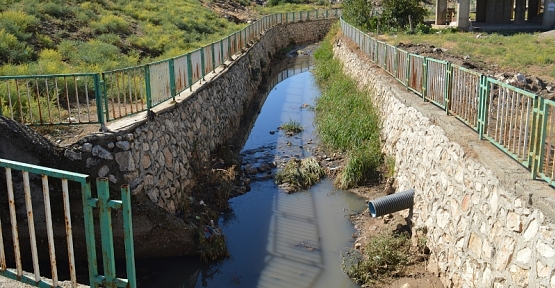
(222, 52)
(448, 85)
(89, 232)
(107, 238)
(98, 96)
(424, 78)
(213, 58)
(483, 106)
(128, 236)
(148, 88)
(202, 64)
(539, 130)
(407, 73)
(190, 71)
(172, 78)
(395, 62)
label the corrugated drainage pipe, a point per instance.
(391, 203)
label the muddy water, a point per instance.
(276, 239)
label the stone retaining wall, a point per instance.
(487, 223)
(155, 157)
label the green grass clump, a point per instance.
(346, 118)
(384, 256)
(292, 127)
(300, 174)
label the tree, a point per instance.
(357, 12)
(396, 13)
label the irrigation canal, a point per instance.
(275, 239)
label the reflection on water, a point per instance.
(276, 239)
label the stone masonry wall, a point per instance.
(155, 157)
(487, 223)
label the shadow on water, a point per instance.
(274, 239)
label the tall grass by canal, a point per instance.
(346, 119)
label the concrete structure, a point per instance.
(486, 222)
(517, 12)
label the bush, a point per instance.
(110, 23)
(12, 50)
(396, 13)
(357, 12)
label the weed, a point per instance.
(291, 127)
(384, 256)
(346, 119)
(390, 167)
(300, 174)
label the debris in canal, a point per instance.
(299, 174)
(291, 128)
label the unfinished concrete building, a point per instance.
(517, 12)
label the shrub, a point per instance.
(396, 13)
(357, 12)
(12, 50)
(18, 23)
(110, 23)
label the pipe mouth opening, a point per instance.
(372, 209)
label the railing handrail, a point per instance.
(518, 122)
(129, 91)
(104, 205)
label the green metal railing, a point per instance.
(518, 122)
(102, 205)
(99, 98)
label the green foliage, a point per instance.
(384, 256)
(396, 13)
(300, 174)
(278, 2)
(12, 50)
(110, 24)
(346, 119)
(18, 23)
(357, 12)
(292, 126)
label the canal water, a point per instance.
(275, 239)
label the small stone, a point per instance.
(87, 147)
(544, 250)
(531, 231)
(358, 246)
(124, 145)
(113, 179)
(519, 275)
(125, 161)
(146, 146)
(129, 137)
(168, 157)
(523, 256)
(100, 152)
(145, 161)
(110, 145)
(475, 244)
(72, 155)
(513, 222)
(103, 171)
(149, 181)
(119, 138)
(520, 78)
(541, 269)
(154, 195)
(92, 162)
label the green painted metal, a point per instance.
(148, 91)
(172, 78)
(539, 128)
(89, 233)
(190, 71)
(213, 58)
(98, 96)
(447, 88)
(128, 236)
(107, 239)
(482, 108)
(50, 172)
(202, 64)
(424, 78)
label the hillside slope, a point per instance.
(58, 36)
